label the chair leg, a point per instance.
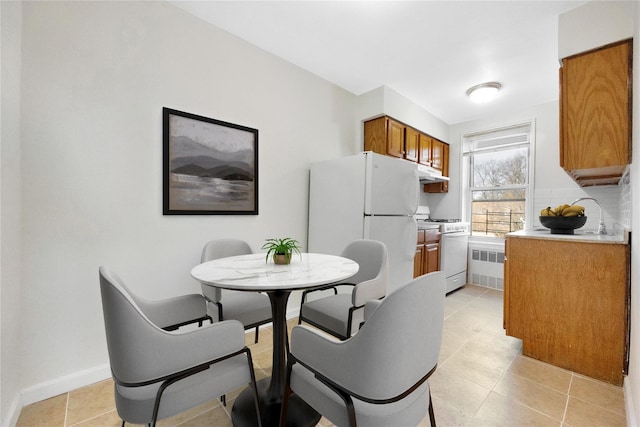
(256, 340)
(254, 386)
(432, 417)
(286, 342)
(223, 399)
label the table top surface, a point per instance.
(253, 273)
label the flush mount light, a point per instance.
(484, 92)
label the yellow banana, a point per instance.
(571, 213)
(577, 209)
(558, 210)
(545, 211)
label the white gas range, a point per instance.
(453, 246)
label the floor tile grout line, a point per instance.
(90, 418)
(524, 403)
(541, 385)
(204, 411)
(66, 410)
(602, 408)
(566, 406)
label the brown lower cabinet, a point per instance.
(569, 303)
(427, 257)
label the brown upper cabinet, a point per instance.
(424, 156)
(441, 187)
(388, 136)
(384, 136)
(437, 147)
(595, 114)
(411, 144)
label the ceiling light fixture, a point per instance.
(484, 92)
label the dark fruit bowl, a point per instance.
(563, 224)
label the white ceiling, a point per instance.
(430, 52)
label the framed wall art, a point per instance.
(210, 166)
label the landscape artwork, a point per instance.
(210, 166)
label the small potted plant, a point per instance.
(281, 249)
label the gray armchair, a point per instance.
(158, 373)
(381, 377)
(252, 309)
(172, 313)
(340, 314)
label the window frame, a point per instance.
(467, 177)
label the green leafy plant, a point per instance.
(286, 246)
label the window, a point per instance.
(497, 172)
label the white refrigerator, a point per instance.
(366, 196)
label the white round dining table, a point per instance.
(254, 273)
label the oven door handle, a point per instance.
(455, 234)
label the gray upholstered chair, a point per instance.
(379, 376)
(160, 373)
(172, 313)
(340, 314)
(252, 309)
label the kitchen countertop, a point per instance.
(617, 236)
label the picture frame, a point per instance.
(210, 167)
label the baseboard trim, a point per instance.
(13, 413)
(53, 388)
(628, 404)
(65, 384)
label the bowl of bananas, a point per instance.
(563, 219)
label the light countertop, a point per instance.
(616, 236)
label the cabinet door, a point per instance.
(395, 138)
(431, 258)
(417, 261)
(441, 187)
(445, 159)
(411, 144)
(424, 154)
(595, 121)
(567, 301)
(444, 186)
(375, 135)
(437, 148)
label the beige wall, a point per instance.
(95, 77)
(10, 208)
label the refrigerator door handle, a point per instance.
(417, 195)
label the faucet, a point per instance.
(602, 229)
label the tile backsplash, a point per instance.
(624, 201)
(610, 198)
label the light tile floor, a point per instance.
(482, 380)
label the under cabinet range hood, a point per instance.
(429, 174)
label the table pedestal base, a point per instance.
(243, 414)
